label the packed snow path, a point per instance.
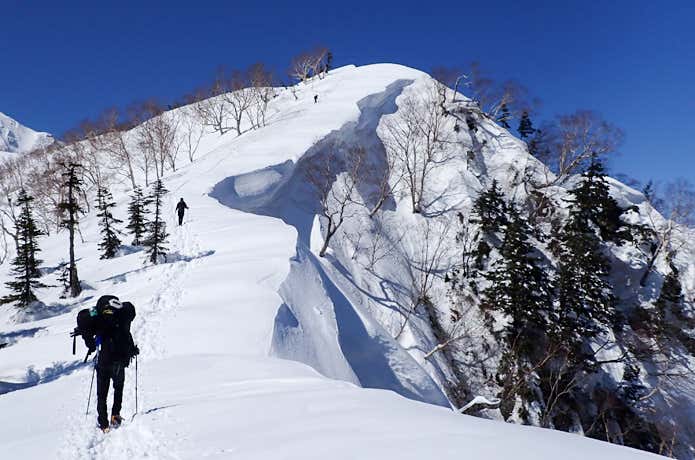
(205, 325)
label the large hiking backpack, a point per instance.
(114, 333)
(85, 328)
(110, 328)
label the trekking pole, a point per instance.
(136, 386)
(89, 398)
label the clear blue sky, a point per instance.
(632, 61)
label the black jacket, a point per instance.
(181, 207)
(110, 328)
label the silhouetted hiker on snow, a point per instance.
(181, 209)
(316, 98)
(107, 325)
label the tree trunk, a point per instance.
(74, 281)
(329, 234)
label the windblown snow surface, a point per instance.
(252, 347)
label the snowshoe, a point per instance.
(116, 421)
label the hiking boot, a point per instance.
(116, 420)
(104, 429)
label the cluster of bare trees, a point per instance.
(236, 100)
(147, 139)
(416, 142)
(565, 144)
(117, 145)
(489, 96)
(313, 63)
(334, 176)
(676, 203)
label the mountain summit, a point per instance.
(17, 138)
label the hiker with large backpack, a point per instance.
(107, 326)
(181, 207)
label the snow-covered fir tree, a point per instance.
(586, 302)
(521, 290)
(110, 243)
(156, 240)
(671, 294)
(673, 319)
(137, 216)
(25, 266)
(490, 208)
(593, 200)
(519, 286)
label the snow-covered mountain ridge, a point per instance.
(255, 347)
(16, 138)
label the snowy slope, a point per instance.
(252, 347)
(16, 138)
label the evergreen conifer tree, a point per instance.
(521, 289)
(593, 200)
(110, 242)
(538, 145)
(64, 278)
(525, 126)
(25, 266)
(71, 209)
(490, 208)
(157, 235)
(137, 216)
(504, 116)
(585, 295)
(519, 286)
(671, 296)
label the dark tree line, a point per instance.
(151, 234)
(548, 318)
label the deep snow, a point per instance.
(241, 291)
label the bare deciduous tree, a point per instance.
(212, 107)
(318, 64)
(384, 182)
(114, 141)
(416, 143)
(334, 177)
(191, 132)
(678, 208)
(379, 244)
(309, 63)
(300, 66)
(448, 77)
(261, 81)
(158, 139)
(427, 261)
(574, 138)
(240, 98)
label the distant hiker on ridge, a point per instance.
(107, 325)
(316, 98)
(181, 209)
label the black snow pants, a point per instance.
(106, 373)
(180, 218)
